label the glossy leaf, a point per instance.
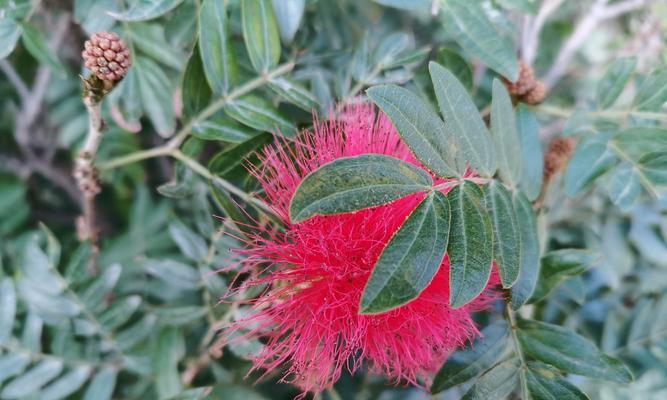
(506, 232)
(410, 5)
(36, 44)
(259, 113)
(410, 259)
(637, 141)
(591, 159)
(217, 55)
(470, 246)
(260, 33)
(12, 364)
(624, 186)
(474, 32)
(419, 126)
(496, 383)
(7, 308)
(531, 152)
(569, 352)
(614, 80)
(234, 156)
(354, 183)
(294, 93)
(66, 384)
(466, 364)
(558, 265)
(523, 289)
(156, 96)
(143, 10)
(168, 351)
(288, 15)
(457, 65)
(652, 93)
(174, 273)
(222, 129)
(196, 91)
(505, 135)
(654, 167)
(33, 380)
(545, 383)
(10, 32)
(463, 121)
(101, 387)
(189, 243)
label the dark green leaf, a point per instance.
(654, 167)
(531, 152)
(410, 5)
(67, 384)
(294, 93)
(200, 393)
(468, 23)
(10, 32)
(569, 352)
(624, 187)
(94, 295)
(257, 112)
(137, 332)
(530, 252)
(497, 383)
(142, 10)
(156, 96)
(33, 380)
(7, 308)
(506, 232)
(470, 246)
(233, 156)
(411, 259)
(652, 93)
(196, 92)
(260, 32)
(419, 126)
(150, 39)
(35, 42)
(217, 55)
(505, 135)
(168, 351)
(173, 273)
(591, 159)
(457, 65)
(288, 15)
(558, 265)
(614, 80)
(189, 243)
(545, 383)
(175, 316)
(466, 364)
(636, 141)
(234, 392)
(102, 385)
(354, 183)
(221, 129)
(120, 312)
(463, 121)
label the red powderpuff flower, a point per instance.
(315, 272)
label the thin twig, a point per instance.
(533, 29)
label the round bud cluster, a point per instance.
(527, 88)
(106, 56)
(559, 152)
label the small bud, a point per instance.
(527, 88)
(557, 156)
(106, 55)
(536, 94)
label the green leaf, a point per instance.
(410, 5)
(174, 273)
(150, 39)
(137, 332)
(466, 364)
(156, 96)
(468, 23)
(419, 126)
(506, 232)
(33, 380)
(260, 33)
(196, 93)
(7, 309)
(410, 259)
(222, 129)
(234, 392)
(463, 120)
(457, 65)
(654, 167)
(102, 385)
(523, 289)
(233, 156)
(142, 10)
(497, 383)
(591, 159)
(614, 80)
(545, 383)
(558, 265)
(569, 352)
(354, 183)
(169, 350)
(531, 152)
(35, 42)
(12, 364)
(67, 384)
(257, 112)
(505, 135)
(294, 93)
(624, 187)
(120, 312)
(652, 93)
(176, 316)
(10, 32)
(189, 243)
(470, 246)
(288, 15)
(637, 141)
(217, 55)
(93, 297)
(199, 393)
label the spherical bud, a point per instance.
(536, 94)
(106, 56)
(525, 83)
(557, 156)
